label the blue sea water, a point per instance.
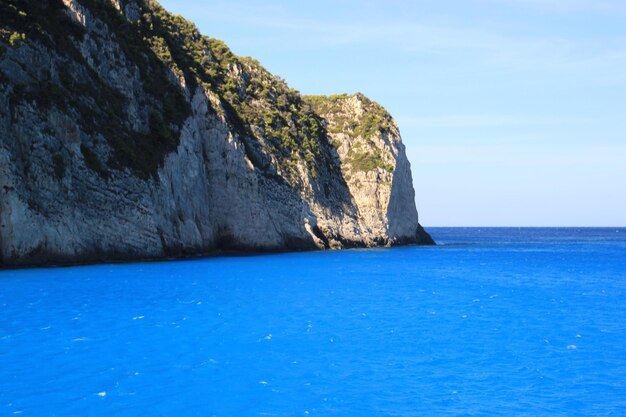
(493, 322)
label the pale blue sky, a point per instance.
(513, 112)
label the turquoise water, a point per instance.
(495, 322)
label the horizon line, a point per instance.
(525, 227)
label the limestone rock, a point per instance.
(121, 138)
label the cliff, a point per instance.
(126, 134)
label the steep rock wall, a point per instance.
(125, 134)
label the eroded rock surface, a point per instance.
(125, 134)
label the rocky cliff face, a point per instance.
(126, 134)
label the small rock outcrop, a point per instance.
(126, 134)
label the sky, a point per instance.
(513, 112)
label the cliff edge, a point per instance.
(126, 134)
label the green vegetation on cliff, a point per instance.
(280, 129)
(97, 106)
(360, 119)
(373, 119)
(254, 102)
(368, 161)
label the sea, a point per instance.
(491, 322)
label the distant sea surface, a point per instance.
(492, 322)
